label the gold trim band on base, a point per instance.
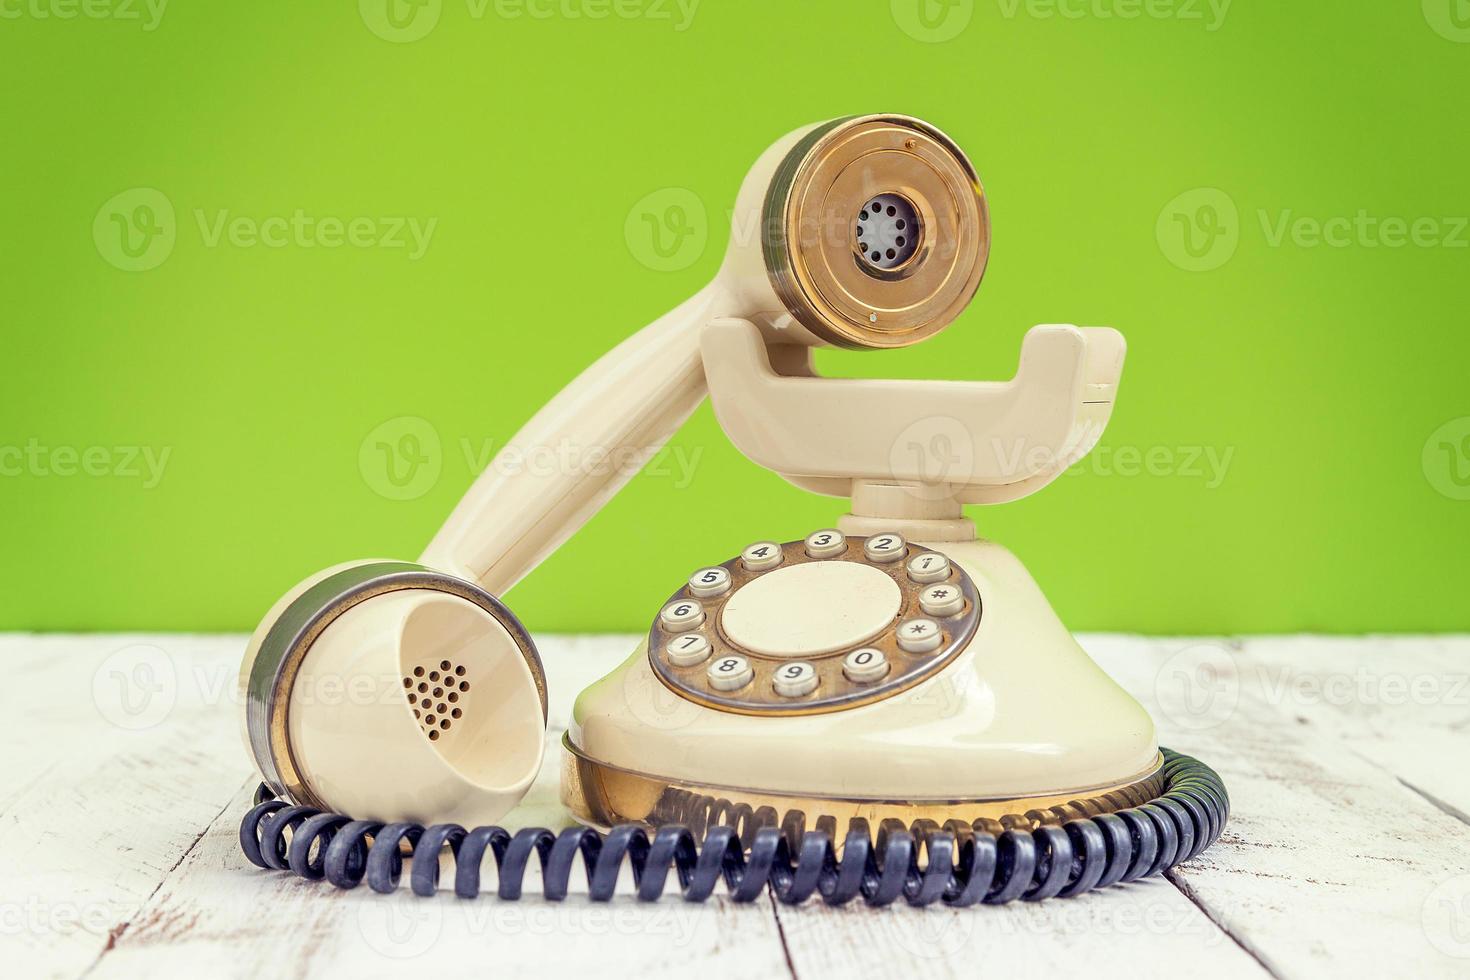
(604, 796)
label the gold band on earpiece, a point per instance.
(811, 231)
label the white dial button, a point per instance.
(826, 544)
(865, 665)
(681, 616)
(687, 650)
(942, 600)
(730, 673)
(761, 556)
(710, 582)
(928, 567)
(795, 679)
(919, 635)
(884, 548)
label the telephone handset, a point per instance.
(885, 708)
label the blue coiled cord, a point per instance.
(963, 864)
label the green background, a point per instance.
(1327, 373)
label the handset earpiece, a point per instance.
(862, 232)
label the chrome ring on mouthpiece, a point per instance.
(839, 267)
(274, 669)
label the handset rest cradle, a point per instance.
(1000, 440)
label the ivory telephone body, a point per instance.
(891, 666)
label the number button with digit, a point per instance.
(795, 680)
(884, 548)
(681, 616)
(730, 673)
(865, 666)
(688, 650)
(927, 567)
(826, 544)
(710, 582)
(762, 556)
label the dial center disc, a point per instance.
(810, 609)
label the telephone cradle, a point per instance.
(887, 709)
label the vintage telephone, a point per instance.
(887, 708)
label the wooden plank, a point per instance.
(1144, 928)
(215, 916)
(1400, 702)
(1329, 863)
(116, 760)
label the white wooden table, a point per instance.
(1348, 852)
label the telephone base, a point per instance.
(603, 796)
(1019, 713)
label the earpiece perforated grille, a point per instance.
(436, 694)
(887, 232)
